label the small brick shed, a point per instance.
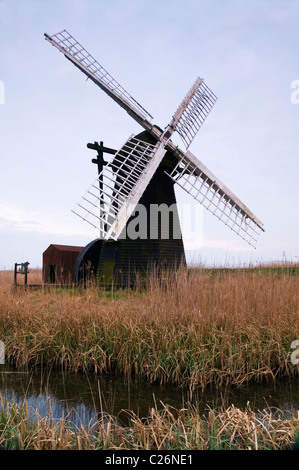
(58, 263)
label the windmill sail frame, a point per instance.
(125, 179)
(193, 111)
(198, 181)
(81, 58)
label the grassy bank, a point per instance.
(193, 330)
(232, 429)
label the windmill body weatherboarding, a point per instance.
(143, 173)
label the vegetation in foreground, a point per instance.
(189, 330)
(169, 429)
(211, 326)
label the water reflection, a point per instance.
(84, 398)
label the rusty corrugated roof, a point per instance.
(67, 247)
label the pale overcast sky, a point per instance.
(247, 52)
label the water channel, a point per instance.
(84, 397)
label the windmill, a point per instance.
(142, 174)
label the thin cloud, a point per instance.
(224, 245)
(22, 219)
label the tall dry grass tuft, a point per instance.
(22, 428)
(187, 329)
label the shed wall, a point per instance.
(58, 263)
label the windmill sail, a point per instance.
(125, 179)
(79, 56)
(198, 181)
(193, 111)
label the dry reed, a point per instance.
(23, 428)
(191, 330)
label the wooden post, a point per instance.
(15, 274)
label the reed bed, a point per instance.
(22, 428)
(188, 329)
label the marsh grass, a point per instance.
(188, 329)
(22, 428)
